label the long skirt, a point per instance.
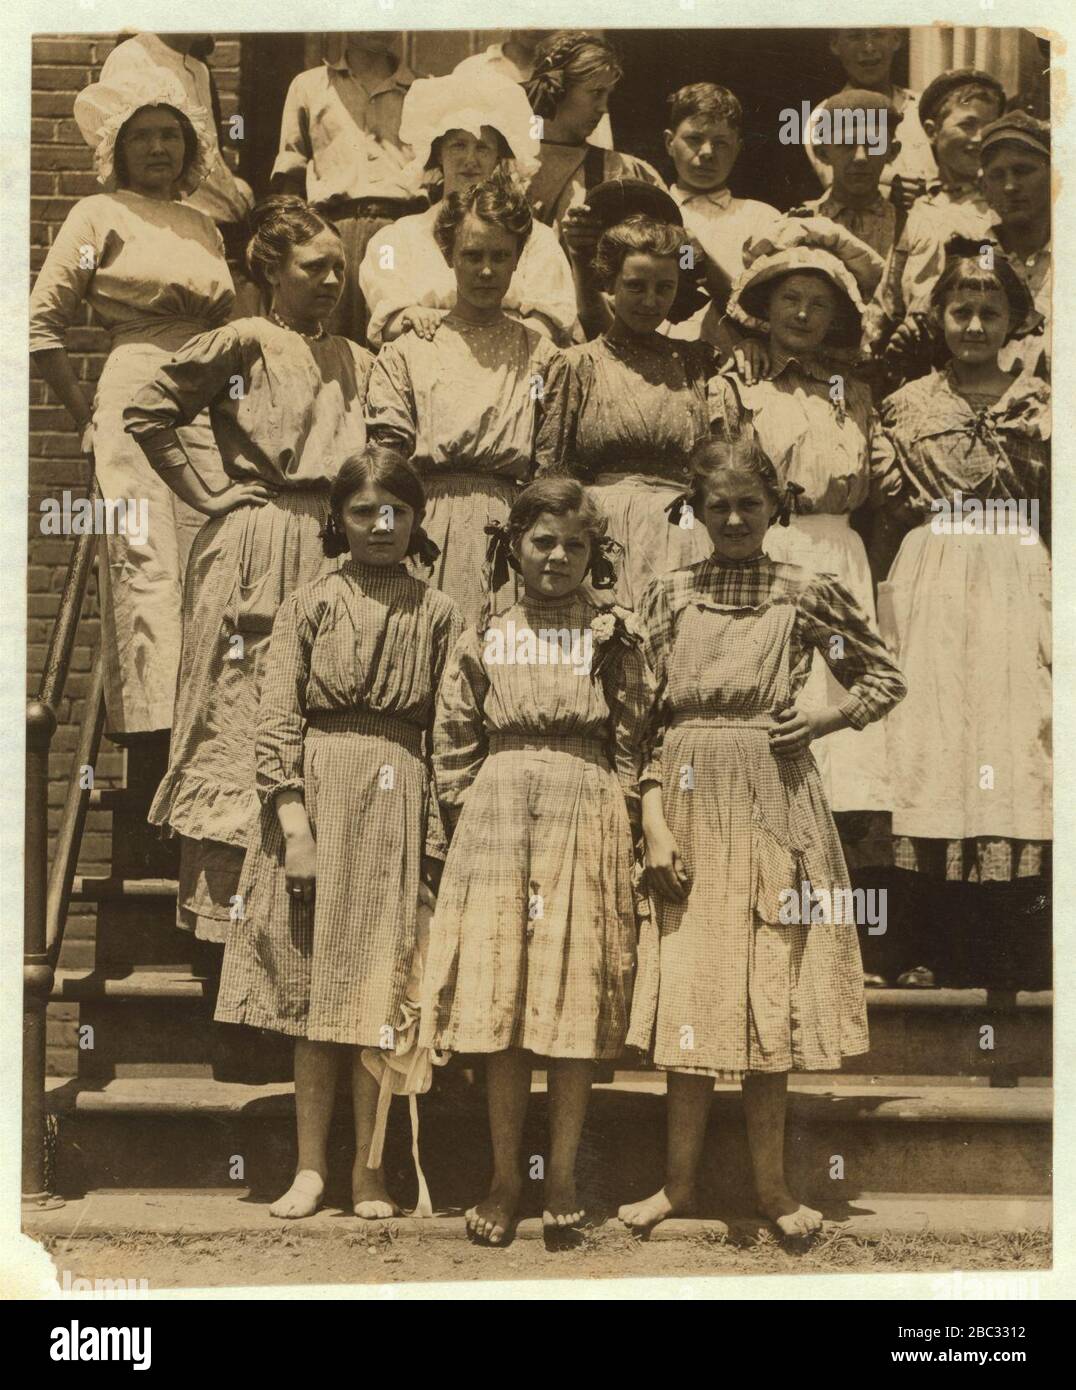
(852, 762)
(970, 746)
(533, 941)
(730, 982)
(336, 971)
(635, 505)
(241, 568)
(142, 579)
(458, 508)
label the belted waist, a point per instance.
(355, 721)
(722, 721)
(582, 745)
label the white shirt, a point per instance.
(722, 224)
(403, 265)
(495, 60)
(915, 160)
(220, 195)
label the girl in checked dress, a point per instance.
(323, 951)
(532, 948)
(732, 983)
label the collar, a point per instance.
(877, 205)
(1028, 261)
(810, 366)
(402, 77)
(720, 197)
(718, 562)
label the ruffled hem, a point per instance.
(204, 810)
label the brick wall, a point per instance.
(61, 172)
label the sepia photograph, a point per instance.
(538, 693)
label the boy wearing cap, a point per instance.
(704, 140)
(1015, 177)
(858, 149)
(867, 58)
(955, 109)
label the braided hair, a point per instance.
(570, 55)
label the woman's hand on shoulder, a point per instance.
(751, 361)
(420, 319)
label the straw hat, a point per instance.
(468, 101)
(103, 108)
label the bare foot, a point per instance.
(562, 1207)
(493, 1218)
(302, 1198)
(369, 1193)
(790, 1216)
(644, 1216)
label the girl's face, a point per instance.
(154, 150)
(484, 259)
(466, 160)
(583, 106)
(975, 323)
(645, 290)
(554, 554)
(801, 311)
(308, 283)
(737, 511)
(377, 525)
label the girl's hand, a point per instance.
(300, 868)
(580, 229)
(425, 322)
(86, 440)
(752, 361)
(794, 728)
(235, 495)
(666, 868)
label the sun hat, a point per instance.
(615, 199)
(467, 101)
(104, 108)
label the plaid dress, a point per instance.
(727, 983)
(624, 418)
(533, 940)
(347, 703)
(466, 408)
(969, 617)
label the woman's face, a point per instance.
(309, 282)
(484, 259)
(645, 290)
(153, 150)
(377, 525)
(554, 554)
(737, 511)
(975, 323)
(801, 312)
(466, 160)
(584, 104)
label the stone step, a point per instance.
(159, 1022)
(193, 1134)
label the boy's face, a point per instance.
(857, 170)
(1016, 182)
(866, 55)
(704, 149)
(957, 136)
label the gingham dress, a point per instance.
(533, 940)
(724, 986)
(969, 618)
(348, 698)
(466, 408)
(624, 418)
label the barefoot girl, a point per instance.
(532, 948)
(730, 984)
(969, 606)
(348, 828)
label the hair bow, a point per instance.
(426, 549)
(675, 510)
(602, 565)
(787, 505)
(499, 557)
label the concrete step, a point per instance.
(190, 1134)
(158, 1021)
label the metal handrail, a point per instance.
(38, 963)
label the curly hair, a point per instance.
(190, 141)
(742, 453)
(560, 495)
(384, 468)
(636, 235)
(965, 270)
(496, 200)
(570, 55)
(279, 223)
(705, 99)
